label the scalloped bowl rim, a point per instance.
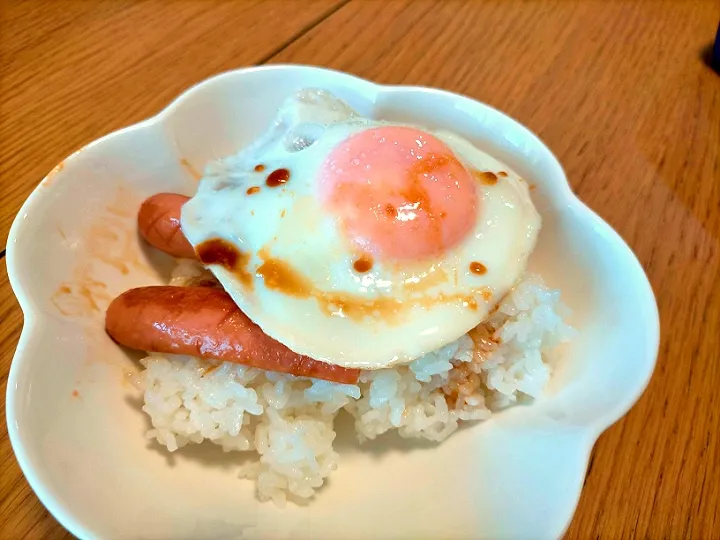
(588, 433)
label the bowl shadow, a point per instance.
(206, 453)
(346, 441)
(160, 263)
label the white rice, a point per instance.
(287, 421)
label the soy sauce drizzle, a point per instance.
(278, 177)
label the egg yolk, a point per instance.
(399, 192)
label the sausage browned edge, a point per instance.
(159, 224)
(205, 322)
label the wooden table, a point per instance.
(619, 91)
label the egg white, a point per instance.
(433, 302)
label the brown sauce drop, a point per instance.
(488, 178)
(463, 384)
(502, 174)
(223, 253)
(278, 177)
(415, 192)
(212, 366)
(363, 264)
(431, 164)
(217, 251)
(253, 190)
(259, 168)
(189, 168)
(425, 281)
(477, 268)
(280, 276)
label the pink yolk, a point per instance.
(400, 192)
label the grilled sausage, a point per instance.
(159, 224)
(206, 322)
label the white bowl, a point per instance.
(74, 420)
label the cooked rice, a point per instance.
(288, 421)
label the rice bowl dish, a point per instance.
(542, 407)
(287, 419)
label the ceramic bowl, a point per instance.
(74, 417)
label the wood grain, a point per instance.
(74, 70)
(617, 89)
(619, 92)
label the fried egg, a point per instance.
(359, 242)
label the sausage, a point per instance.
(205, 322)
(159, 224)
